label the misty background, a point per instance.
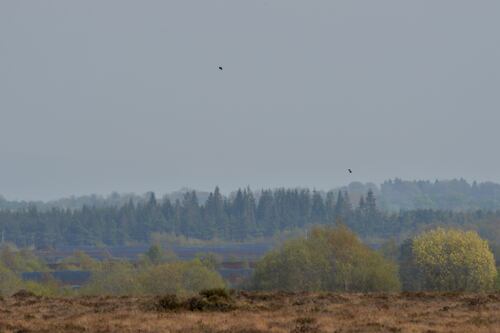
(126, 96)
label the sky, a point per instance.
(100, 96)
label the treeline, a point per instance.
(242, 216)
(93, 200)
(392, 195)
(456, 195)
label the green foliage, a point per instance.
(211, 300)
(197, 277)
(207, 300)
(209, 260)
(294, 267)
(181, 278)
(9, 282)
(409, 274)
(330, 259)
(80, 261)
(218, 292)
(390, 250)
(451, 260)
(46, 288)
(155, 254)
(21, 261)
(169, 302)
(115, 278)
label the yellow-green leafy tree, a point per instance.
(453, 260)
(115, 278)
(121, 278)
(48, 287)
(332, 259)
(296, 266)
(81, 261)
(9, 281)
(179, 278)
(21, 260)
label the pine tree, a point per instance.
(214, 215)
(267, 221)
(191, 216)
(330, 207)
(237, 228)
(371, 206)
(318, 212)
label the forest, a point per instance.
(392, 195)
(245, 215)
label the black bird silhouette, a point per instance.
(350, 171)
(220, 67)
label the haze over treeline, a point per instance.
(392, 195)
(247, 216)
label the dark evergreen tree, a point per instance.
(330, 207)
(266, 214)
(318, 211)
(191, 226)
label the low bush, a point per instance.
(213, 303)
(169, 303)
(220, 292)
(23, 293)
(211, 300)
(207, 300)
(305, 325)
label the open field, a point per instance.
(258, 312)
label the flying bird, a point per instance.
(220, 67)
(350, 171)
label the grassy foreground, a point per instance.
(249, 312)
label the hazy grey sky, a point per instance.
(97, 96)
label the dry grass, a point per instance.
(259, 312)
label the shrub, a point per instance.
(20, 261)
(168, 303)
(219, 292)
(211, 300)
(331, 259)
(48, 288)
(305, 325)
(450, 260)
(116, 278)
(23, 293)
(9, 282)
(180, 278)
(81, 261)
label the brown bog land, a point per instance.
(258, 312)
